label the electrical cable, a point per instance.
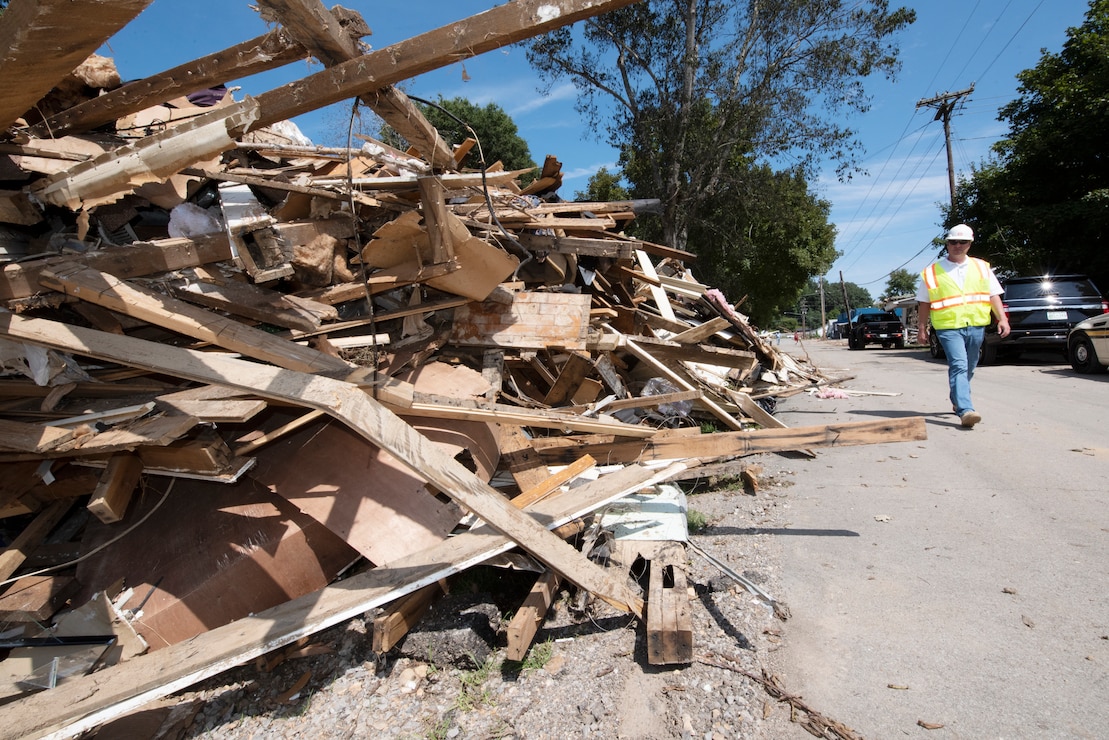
(523, 252)
(97, 549)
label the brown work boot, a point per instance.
(970, 418)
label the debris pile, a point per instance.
(253, 387)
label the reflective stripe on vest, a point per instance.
(953, 307)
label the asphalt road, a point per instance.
(961, 581)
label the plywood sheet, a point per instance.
(210, 554)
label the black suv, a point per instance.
(1041, 311)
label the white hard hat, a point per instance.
(961, 232)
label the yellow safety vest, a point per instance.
(954, 307)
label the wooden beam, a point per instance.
(113, 492)
(82, 703)
(170, 313)
(501, 26)
(669, 625)
(315, 27)
(107, 177)
(42, 41)
(401, 616)
(268, 51)
(553, 483)
(732, 444)
(366, 417)
(521, 630)
(21, 280)
(577, 366)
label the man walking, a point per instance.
(955, 297)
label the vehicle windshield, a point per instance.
(1049, 288)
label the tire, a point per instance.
(1082, 355)
(934, 347)
(988, 354)
(899, 344)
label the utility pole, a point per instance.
(823, 311)
(945, 104)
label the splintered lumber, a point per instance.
(319, 31)
(258, 303)
(113, 174)
(113, 492)
(42, 41)
(521, 630)
(20, 280)
(644, 355)
(171, 313)
(731, 444)
(501, 26)
(351, 405)
(268, 51)
(82, 703)
(21, 437)
(527, 468)
(550, 485)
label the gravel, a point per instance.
(587, 674)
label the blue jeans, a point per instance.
(961, 347)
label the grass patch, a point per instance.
(695, 520)
(473, 693)
(538, 656)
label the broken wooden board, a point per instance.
(153, 159)
(21, 280)
(42, 41)
(133, 300)
(35, 598)
(362, 494)
(529, 617)
(404, 246)
(732, 444)
(212, 554)
(532, 320)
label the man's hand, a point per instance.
(1003, 328)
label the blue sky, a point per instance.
(885, 218)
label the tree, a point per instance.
(686, 91)
(857, 296)
(763, 236)
(497, 135)
(1041, 203)
(603, 187)
(901, 283)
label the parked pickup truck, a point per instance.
(876, 328)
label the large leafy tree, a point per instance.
(698, 95)
(901, 283)
(603, 187)
(1041, 204)
(762, 237)
(857, 297)
(457, 119)
(688, 89)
